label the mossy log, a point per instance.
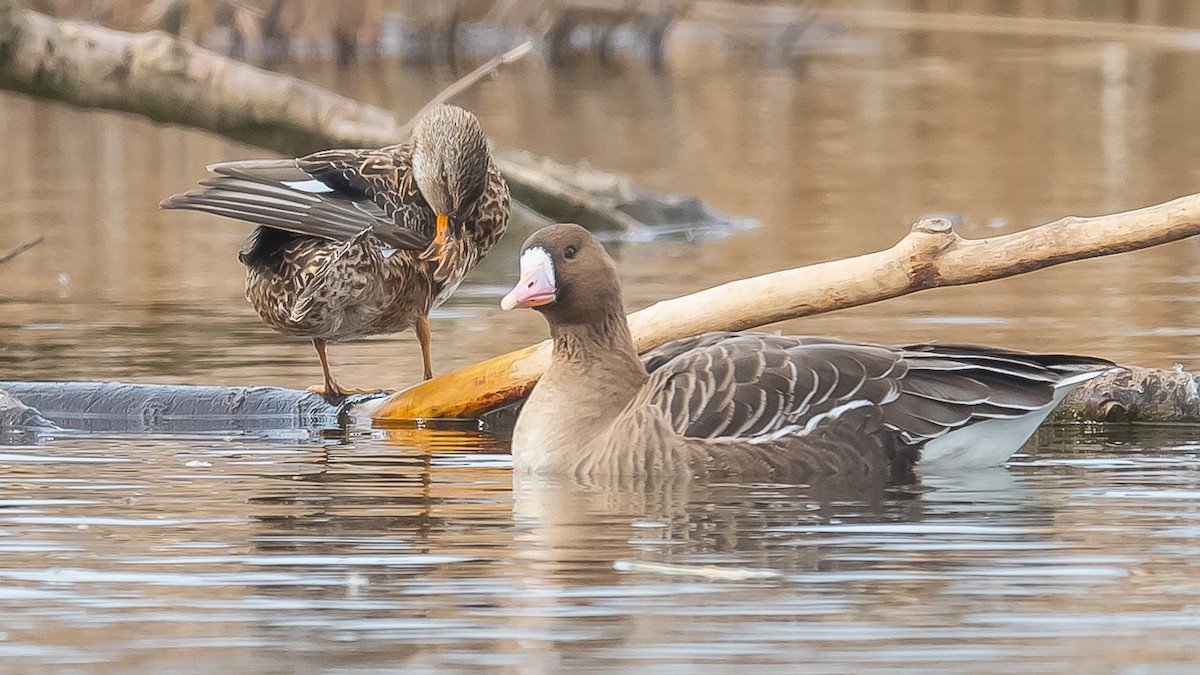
(1134, 395)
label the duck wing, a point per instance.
(334, 194)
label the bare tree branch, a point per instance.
(21, 249)
(465, 82)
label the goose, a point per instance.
(358, 242)
(754, 405)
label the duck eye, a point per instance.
(569, 252)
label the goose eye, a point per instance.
(569, 252)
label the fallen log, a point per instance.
(931, 256)
(19, 423)
(174, 81)
(1134, 395)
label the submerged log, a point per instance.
(19, 423)
(932, 255)
(162, 408)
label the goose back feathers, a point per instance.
(757, 405)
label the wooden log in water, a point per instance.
(175, 81)
(1134, 395)
(931, 256)
(166, 408)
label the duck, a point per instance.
(754, 405)
(356, 242)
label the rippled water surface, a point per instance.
(374, 550)
(409, 551)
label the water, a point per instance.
(407, 552)
(412, 549)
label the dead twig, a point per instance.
(21, 249)
(466, 81)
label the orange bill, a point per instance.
(443, 227)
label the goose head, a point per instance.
(567, 276)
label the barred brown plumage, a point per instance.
(758, 406)
(348, 241)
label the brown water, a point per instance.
(378, 551)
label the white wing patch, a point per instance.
(311, 185)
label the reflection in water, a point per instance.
(415, 551)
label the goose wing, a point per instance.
(755, 387)
(947, 386)
(334, 194)
(760, 387)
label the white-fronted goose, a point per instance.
(361, 242)
(756, 405)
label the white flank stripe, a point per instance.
(797, 430)
(1072, 380)
(310, 185)
(834, 414)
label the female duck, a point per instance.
(361, 242)
(756, 405)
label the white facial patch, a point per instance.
(534, 259)
(310, 185)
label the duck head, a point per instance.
(450, 161)
(567, 276)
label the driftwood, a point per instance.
(932, 255)
(174, 81)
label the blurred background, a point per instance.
(832, 125)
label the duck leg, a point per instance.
(421, 328)
(331, 391)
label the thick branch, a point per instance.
(170, 80)
(932, 255)
(174, 81)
